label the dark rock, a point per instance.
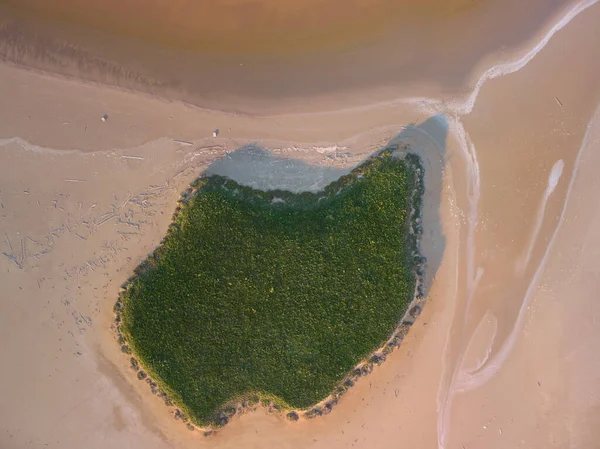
(229, 411)
(398, 339)
(328, 407)
(377, 359)
(340, 390)
(292, 416)
(415, 311)
(389, 348)
(221, 420)
(314, 412)
(275, 408)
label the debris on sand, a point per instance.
(559, 102)
(183, 142)
(14, 259)
(104, 118)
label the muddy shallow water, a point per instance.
(272, 56)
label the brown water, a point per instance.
(239, 56)
(245, 26)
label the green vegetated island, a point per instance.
(274, 296)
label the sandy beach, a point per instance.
(504, 113)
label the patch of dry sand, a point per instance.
(504, 354)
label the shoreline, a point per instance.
(458, 103)
(293, 96)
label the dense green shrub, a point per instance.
(273, 293)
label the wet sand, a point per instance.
(505, 352)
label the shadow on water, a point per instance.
(428, 140)
(256, 167)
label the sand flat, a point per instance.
(505, 353)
